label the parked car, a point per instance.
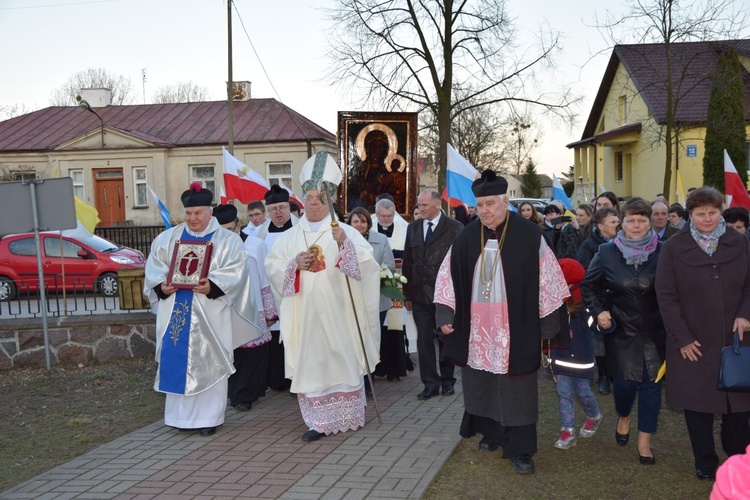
(88, 262)
(538, 203)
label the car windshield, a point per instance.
(99, 244)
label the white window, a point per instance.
(140, 193)
(78, 189)
(205, 175)
(280, 173)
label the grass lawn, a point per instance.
(50, 418)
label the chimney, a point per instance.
(241, 90)
(97, 98)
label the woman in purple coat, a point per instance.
(703, 289)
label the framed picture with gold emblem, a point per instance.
(378, 153)
(190, 262)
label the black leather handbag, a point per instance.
(734, 373)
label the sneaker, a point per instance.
(567, 439)
(590, 427)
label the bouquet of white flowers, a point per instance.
(391, 284)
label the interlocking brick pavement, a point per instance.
(259, 454)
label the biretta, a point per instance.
(489, 184)
(225, 214)
(197, 196)
(276, 194)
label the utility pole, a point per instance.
(143, 74)
(230, 85)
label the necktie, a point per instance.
(429, 232)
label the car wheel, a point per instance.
(7, 289)
(107, 284)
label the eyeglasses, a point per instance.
(312, 199)
(255, 215)
(278, 209)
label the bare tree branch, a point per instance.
(122, 88)
(413, 54)
(180, 92)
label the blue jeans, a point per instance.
(649, 400)
(566, 385)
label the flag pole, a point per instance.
(334, 223)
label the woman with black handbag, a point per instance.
(703, 288)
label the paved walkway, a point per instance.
(259, 454)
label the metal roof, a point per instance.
(646, 65)
(164, 125)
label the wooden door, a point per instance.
(110, 196)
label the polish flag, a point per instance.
(734, 188)
(222, 196)
(242, 182)
(292, 197)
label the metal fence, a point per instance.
(138, 237)
(77, 299)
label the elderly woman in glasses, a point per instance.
(703, 287)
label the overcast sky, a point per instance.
(45, 41)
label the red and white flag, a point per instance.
(242, 182)
(292, 197)
(734, 188)
(222, 196)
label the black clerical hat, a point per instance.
(196, 196)
(225, 213)
(490, 184)
(276, 194)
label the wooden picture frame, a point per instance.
(190, 262)
(378, 154)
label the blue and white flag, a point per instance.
(459, 176)
(162, 208)
(558, 193)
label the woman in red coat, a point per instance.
(703, 289)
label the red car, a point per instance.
(89, 262)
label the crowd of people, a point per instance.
(625, 291)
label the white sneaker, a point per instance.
(567, 438)
(590, 427)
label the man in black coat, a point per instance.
(427, 241)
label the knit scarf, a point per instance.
(636, 251)
(708, 241)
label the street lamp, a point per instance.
(83, 103)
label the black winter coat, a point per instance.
(589, 247)
(569, 242)
(629, 294)
(422, 260)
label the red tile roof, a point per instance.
(170, 125)
(646, 65)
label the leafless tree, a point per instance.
(476, 134)
(521, 139)
(181, 92)
(13, 110)
(122, 88)
(669, 22)
(403, 54)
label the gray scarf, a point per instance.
(636, 251)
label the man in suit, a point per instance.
(427, 242)
(660, 220)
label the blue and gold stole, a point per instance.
(175, 345)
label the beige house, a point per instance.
(622, 148)
(112, 155)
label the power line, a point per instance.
(242, 23)
(291, 115)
